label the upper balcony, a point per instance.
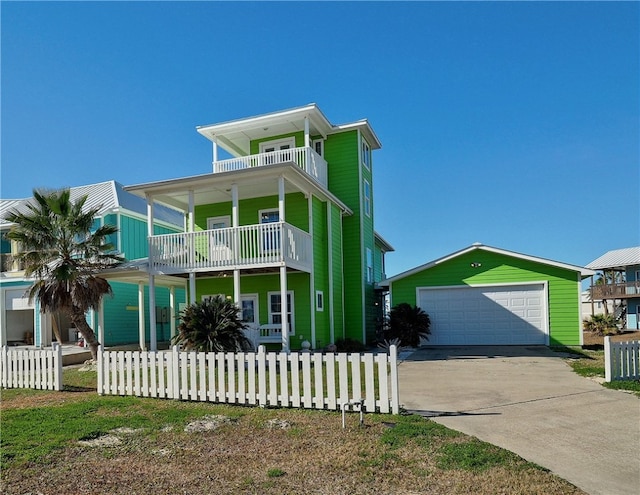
(305, 157)
(246, 247)
(622, 290)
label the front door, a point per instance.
(250, 316)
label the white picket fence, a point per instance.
(298, 380)
(621, 360)
(31, 368)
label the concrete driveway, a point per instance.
(529, 401)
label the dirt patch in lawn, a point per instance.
(592, 340)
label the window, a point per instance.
(319, 300)
(270, 235)
(222, 222)
(367, 198)
(366, 155)
(275, 309)
(318, 146)
(369, 265)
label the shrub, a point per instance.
(601, 325)
(349, 345)
(408, 324)
(212, 325)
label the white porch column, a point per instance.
(191, 213)
(284, 309)
(172, 311)
(281, 199)
(215, 155)
(312, 281)
(141, 322)
(192, 288)
(307, 138)
(234, 206)
(101, 322)
(236, 287)
(153, 338)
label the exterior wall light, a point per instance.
(475, 264)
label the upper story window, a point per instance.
(366, 154)
(318, 146)
(369, 265)
(367, 198)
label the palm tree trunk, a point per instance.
(79, 320)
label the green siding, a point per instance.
(563, 287)
(295, 210)
(337, 269)
(261, 285)
(320, 270)
(255, 145)
(341, 154)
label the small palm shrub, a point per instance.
(214, 325)
(601, 325)
(408, 324)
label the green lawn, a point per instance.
(80, 442)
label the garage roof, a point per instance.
(584, 272)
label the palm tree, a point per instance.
(63, 256)
(212, 325)
(408, 324)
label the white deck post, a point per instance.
(215, 155)
(284, 309)
(153, 338)
(307, 140)
(101, 321)
(192, 288)
(172, 311)
(141, 322)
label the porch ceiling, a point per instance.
(216, 187)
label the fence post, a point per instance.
(608, 358)
(4, 365)
(262, 376)
(174, 375)
(100, 370)
(57, 366)
(395, 392)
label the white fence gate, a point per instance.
(621, 360)
(31, 368)
(302, 380)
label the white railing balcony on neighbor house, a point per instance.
(250, 246)
(306, 158)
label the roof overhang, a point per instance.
(235, 136)
(584, 272)
(216, 187)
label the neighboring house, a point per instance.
(590, 307)
(285, 227)
(619, 282)
(483, 295)
(118, 322)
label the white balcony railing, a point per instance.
(250, 246)
(306, 158)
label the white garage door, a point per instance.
(495, 315)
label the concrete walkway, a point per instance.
(529, 401)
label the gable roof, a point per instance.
(618, 258)
(109, 197)
(584, 272)
(235, 136)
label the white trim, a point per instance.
(545, 300)
(277, 143)
(584, 272)
(362, 262)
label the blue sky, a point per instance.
(512, 124)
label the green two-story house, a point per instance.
(283, 225)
